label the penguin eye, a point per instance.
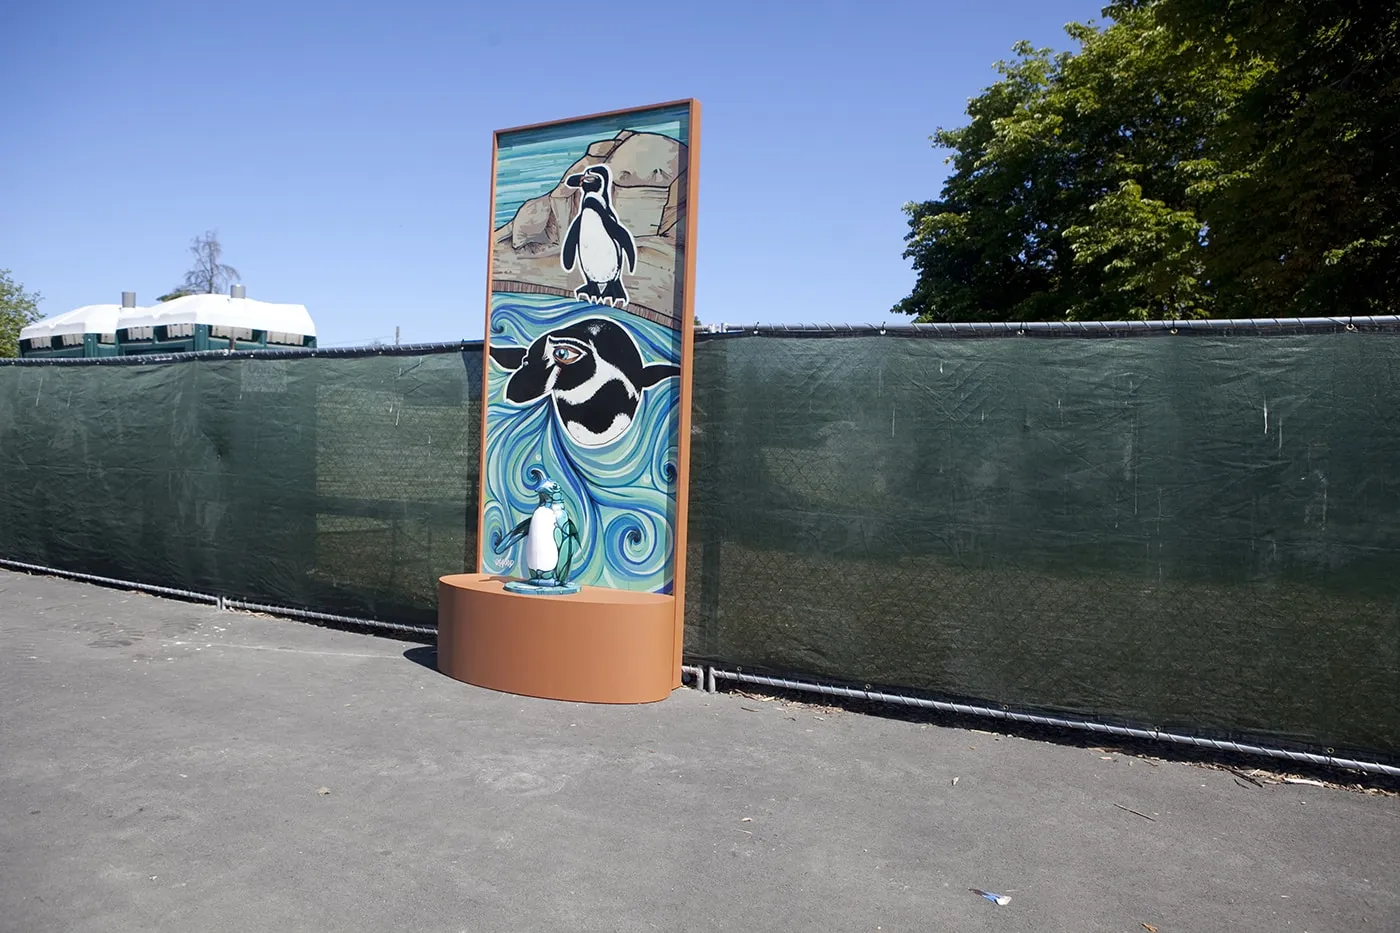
(564, 355)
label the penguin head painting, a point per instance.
(593, 373)
(597, 242)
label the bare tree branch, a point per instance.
(209, 275)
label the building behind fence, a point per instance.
(1193, 529)
(186, 324)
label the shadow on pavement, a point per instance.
(425, 655)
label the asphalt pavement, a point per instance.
(167, 766)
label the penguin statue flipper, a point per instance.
(515, 534)
(566, 537)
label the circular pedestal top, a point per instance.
(496, 583)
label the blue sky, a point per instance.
(342, 150)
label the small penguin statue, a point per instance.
(551, 543)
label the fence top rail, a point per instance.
(1261, 327)
(1236, 326)
(280, 353)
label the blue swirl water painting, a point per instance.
(608, 437)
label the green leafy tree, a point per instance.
(1308, 219)
(17, 308)
(1077, 187)
(1192, 158)
(1149, 257)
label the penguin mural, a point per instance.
(551, 544)
(593, 372)
(597, 241)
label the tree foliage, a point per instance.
(17, 308)
(1178, 164)
(209, 274)
(1310, 222)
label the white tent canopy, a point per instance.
(89, 319)
(223, 312)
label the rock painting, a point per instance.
(646, 183)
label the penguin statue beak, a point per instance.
(574, 181)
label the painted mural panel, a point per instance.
(585, 330)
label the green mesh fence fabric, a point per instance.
(1198, 533)
(342, 485)
(1193, 533)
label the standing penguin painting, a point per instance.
(597, 241)
(587, 333)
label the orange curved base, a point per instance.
(595, 646)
